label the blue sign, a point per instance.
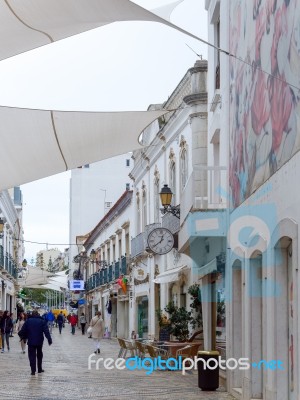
(77, 285)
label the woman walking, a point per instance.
(6, 326)
(19, 325)
(97, 330)
(82, 321)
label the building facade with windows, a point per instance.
(257, 91)
(175, 154)
(11, 246)
(178, 156)
(94, 188)
(107, 269)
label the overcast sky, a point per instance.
(118, 67)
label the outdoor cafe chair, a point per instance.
(154, 352)
(140, 349)
(184, 352)
(122, 348)
(125, 345)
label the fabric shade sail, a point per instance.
(37, 143)
(171, 275)
(28, 24)
(34, 277)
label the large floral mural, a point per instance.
(264, 91)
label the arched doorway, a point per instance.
(237, 318)
(285, 328)
(256, 323)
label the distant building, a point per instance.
(45, 258)
(11, 246)
(94, 188)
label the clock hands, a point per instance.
(161, 239)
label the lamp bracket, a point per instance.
(174, 210)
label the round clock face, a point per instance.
(161, 240)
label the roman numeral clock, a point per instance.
(161, 240)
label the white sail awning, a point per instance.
(40, 143)
(28, 24)
(171, 275)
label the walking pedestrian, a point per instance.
(82, 321)
(33, 331)
(97, 330)
(1, 316)
(6, 326)
(50, 319)
(73, 322)
(19, 325)
(60, 320)
(12, 328)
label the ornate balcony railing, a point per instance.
(107, 275)
(1, 256)
(117, 269)
(139, 244)
(123, 266)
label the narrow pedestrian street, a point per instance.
(67, 376)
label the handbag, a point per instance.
(89, 330)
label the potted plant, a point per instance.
(180, 319)
(196, 306)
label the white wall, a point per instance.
(86, 197)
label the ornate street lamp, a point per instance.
(77, 275)
(166, 199)
(93, 260)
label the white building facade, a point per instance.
(176, 154)
(108, 261)
(258, 115)
(11, 247)
(94, 188)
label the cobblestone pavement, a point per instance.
(67, 376)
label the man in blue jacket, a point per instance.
(50, 319)
(33, 331)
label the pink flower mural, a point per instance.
(264, 108)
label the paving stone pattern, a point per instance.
(67, 376)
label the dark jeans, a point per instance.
(5, 338)
(60, 327)
(83, 327)
(35, 354)
(73, 329)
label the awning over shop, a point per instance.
(171, 275)
(213, 266)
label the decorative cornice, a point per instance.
(196, 98)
